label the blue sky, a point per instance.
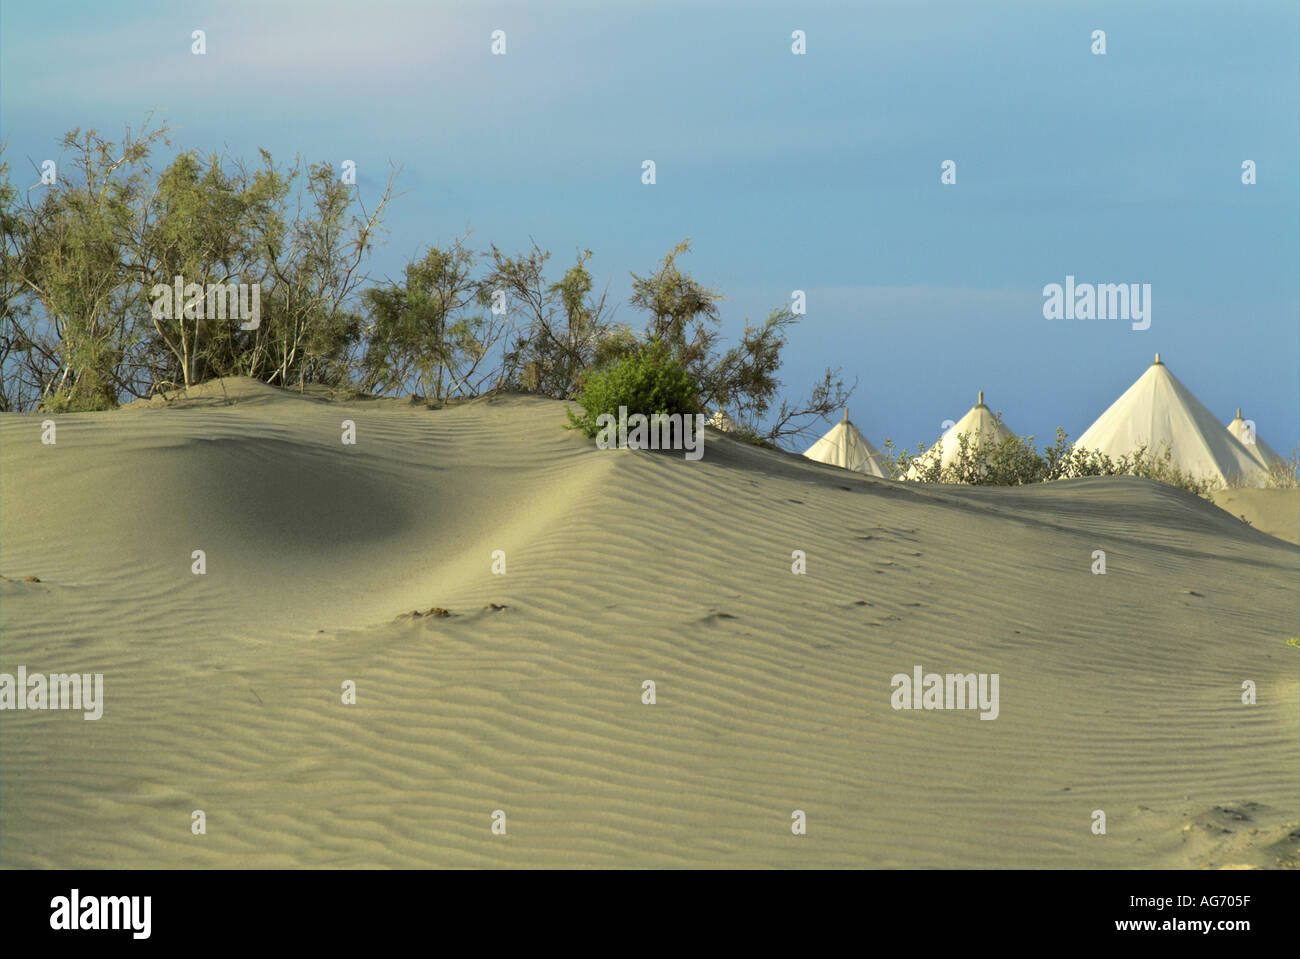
(818, 172)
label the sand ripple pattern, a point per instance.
(1118, 692)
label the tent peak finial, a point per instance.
(1157, 362)
(846, 414)
(981, 402)
(1238, 412)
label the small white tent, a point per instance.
(721, 421)
(980, 426)
(845, 446)
(1256, 447)
(1158, 410)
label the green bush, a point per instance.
(1013, 461)
(979, 461)
(1067, 462)
(649, 380)
(1010, 461)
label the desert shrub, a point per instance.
(648, 380)
(568, 330)
(1013, 461)
(743, 380)
(80, 326)
(431, 334)
(1068, 462)
(1159, 466)
(899, 462)
(751, 434)
(1286, 474)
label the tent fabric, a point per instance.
(845, 446)
(721, 421)
(1158, 410)
(981, 427)
(1262, 453)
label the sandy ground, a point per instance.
(1276, 512)
(1118, 692)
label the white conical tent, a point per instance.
(1158, 410)
(1262, 453)
(845, 446)
(980, 426)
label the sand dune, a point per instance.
(1119, 692)
(1273, 511)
